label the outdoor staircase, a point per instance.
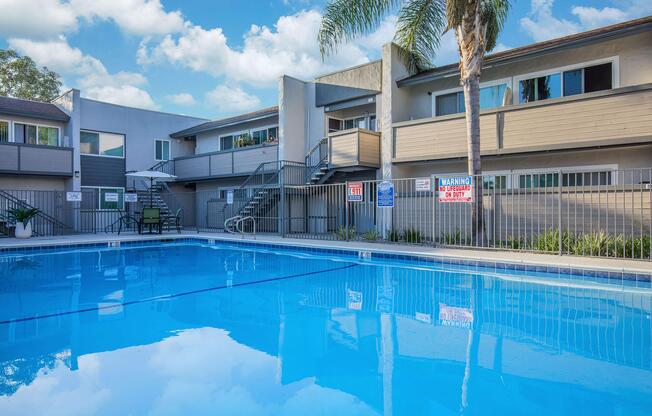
(152, 197)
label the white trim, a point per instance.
(615, 75)
(124, 143)
(169, 150)
(505, 81)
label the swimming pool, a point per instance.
(211, 328)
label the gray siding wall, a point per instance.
(102, 171)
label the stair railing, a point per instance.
(316, 158)
(11, 201)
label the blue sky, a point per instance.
(220, 57)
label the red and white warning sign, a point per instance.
(456, 189)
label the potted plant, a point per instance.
(22, 217)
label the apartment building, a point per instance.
(581, 104)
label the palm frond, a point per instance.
(343, 20)
(421, 23)
(494, 14)
(455, 10)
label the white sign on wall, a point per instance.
(422, 185)
(111, 197)
(229, 197)
(131, 197)
(73, 196)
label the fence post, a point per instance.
(346, 209)
(282, 196)
(559, 216)
(433, 188)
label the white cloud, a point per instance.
(44, 19)
(90, 74)
(290, 47)
(37, 19)
(183, 98)
(542, 24)
(232, 99)
(139, 17)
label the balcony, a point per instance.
(30, 159)
(354, 148)
(236, 162)
(614, 117)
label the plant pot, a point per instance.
(23, 231)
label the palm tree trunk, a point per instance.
(470, 40)
(471, 87)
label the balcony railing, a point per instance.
(31, 159)
(236, 162)
(353, 148)
(618, 116)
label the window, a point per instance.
(4, 131)
(102, 144)
(540, 88)
(32, 134)
(495, 182)
(108, 198)
(491, 96)
(226, 142)
(538, 180)
(334, 125)
(162, 150)
(372, 123)
(259, 136)
(357, 122)
(587, 178)
(48, 136)
(575, 81)
(272, 134)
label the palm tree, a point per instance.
(421, 24)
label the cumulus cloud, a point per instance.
(542, 24)
(38, 19)
(139, 17)
(289, 47)
(231, 99)
(91, 75)
(183, 98)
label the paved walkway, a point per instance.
(620, 265)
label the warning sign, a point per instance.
(354, 192)
(456, 189)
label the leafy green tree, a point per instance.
(421, 24)
(20, 77)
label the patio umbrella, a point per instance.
(152, 175)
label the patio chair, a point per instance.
(150, 217)
(173, 221)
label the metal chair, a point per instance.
(150, 217)
(173, 221)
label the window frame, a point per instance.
(433, 102)
(615, 76)
(99, 133)
(99, 196)
(512, 176)
(169, 150)
(12, 124)
(250, 132)
(10, 130)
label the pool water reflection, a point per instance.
(337, 337)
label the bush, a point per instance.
(454, 239)
(341, 233)
(412, 235)
(371, 235)
(394, 235)
(22, 215)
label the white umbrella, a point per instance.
(152, 175)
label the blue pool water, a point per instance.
(191, 328)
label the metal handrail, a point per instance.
(323, 159)
(243, 219)
(17, 202)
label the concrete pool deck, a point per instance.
(550, 260)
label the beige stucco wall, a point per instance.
(634, 54)
(367, 76)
